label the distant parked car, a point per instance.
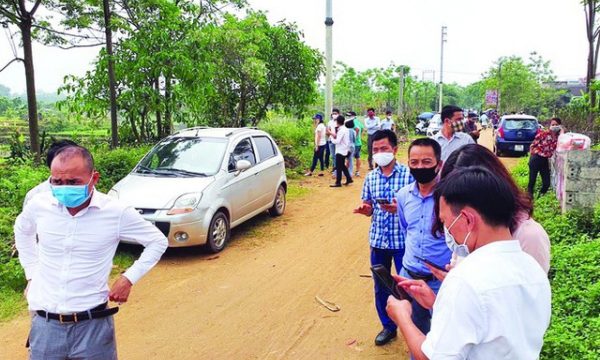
(515, 133)
(199, 183)
(435, 125)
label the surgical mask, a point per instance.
(458, 126)
(383, 158)
(555, 129)
(71, 196)
(424, 175)
(461, 251)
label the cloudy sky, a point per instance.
(375, 33)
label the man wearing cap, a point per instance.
(372, 124)
(452, 137)
(320, 144)
(471, 126)
(67, 238)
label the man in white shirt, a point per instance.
(452, 137)
(388, 123)
(372, 125)
(67, 270)
(341, 139)
(496, 302)
(331, 129)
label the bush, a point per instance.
(574, 331)
(113, 165)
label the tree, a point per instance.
(591, 8)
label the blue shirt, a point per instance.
(416, 216)
(385, 232)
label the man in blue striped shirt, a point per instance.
(385, 236)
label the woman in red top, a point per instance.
(542, 148)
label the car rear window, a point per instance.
(520, 124)
(266, 149)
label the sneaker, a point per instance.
(357, 174)
(308, 174)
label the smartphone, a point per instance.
(385, 278)
(431, 263)
(382, 201)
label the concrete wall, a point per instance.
(576, 179)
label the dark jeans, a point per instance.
(370, 148)
(538, 164)
(340, 167)
(327, 154)
(318, 155)
(385, 257)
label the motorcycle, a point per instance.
(421, 127)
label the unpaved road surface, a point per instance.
(256, 299)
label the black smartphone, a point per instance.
(431, 263)
(385, 278)
(382, 201)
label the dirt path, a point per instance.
(256, 300)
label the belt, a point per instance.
(99, 311)
(419, 276)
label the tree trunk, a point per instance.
(30, 81)
(111, 77)
(133, 128)
(167, 125)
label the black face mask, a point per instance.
(424, 175)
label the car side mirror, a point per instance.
(242, 165)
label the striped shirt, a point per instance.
(385, 232)
(457, 141)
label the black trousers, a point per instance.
(340, 166)
(538, 164)
(370, 150)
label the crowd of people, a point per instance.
(460, 235)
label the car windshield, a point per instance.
(514, 124)
(184, 157)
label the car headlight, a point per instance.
(113, 193)
(185, 204)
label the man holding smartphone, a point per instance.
(416, 215)
(385, 238)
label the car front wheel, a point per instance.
(279, 204)
(218, 233)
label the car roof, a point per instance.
(519, 117)
(217, 132)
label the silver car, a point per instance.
(199, 183)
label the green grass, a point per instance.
(12, 303)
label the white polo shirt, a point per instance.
(495, 304)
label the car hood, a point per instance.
(151, 192)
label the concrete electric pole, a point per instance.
(401, 94)
(328, 61)
(444, 33)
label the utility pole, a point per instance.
(499, 86)
(401, 94)
(328, 61)
(444, 33)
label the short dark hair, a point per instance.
(389, 112)
(437, 149)
(386, 134)
(448, 111)
(371, 109)
(475, 154)
(340, 119)
(557, 119)
(335, 110)
(55, 147)
(488, 193)
(69, 152)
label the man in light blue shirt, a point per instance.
(416, 215)
(452, 137)
(372, 125)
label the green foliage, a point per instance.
(574, 331)
(116, 164)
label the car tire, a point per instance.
(218, 233)
(279, 204)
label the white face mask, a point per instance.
(460, 251)
(383, 158)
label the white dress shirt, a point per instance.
(70, 265)
(457, 140)
(41, 187)
(495, 304)
(342, 141)
(372, 125)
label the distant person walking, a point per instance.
(542, 148)
(341, 139)
(372, 124)
(320, 144)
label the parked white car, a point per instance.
(199, 183)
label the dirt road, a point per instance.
(256, 300)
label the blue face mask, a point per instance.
(71, 196)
